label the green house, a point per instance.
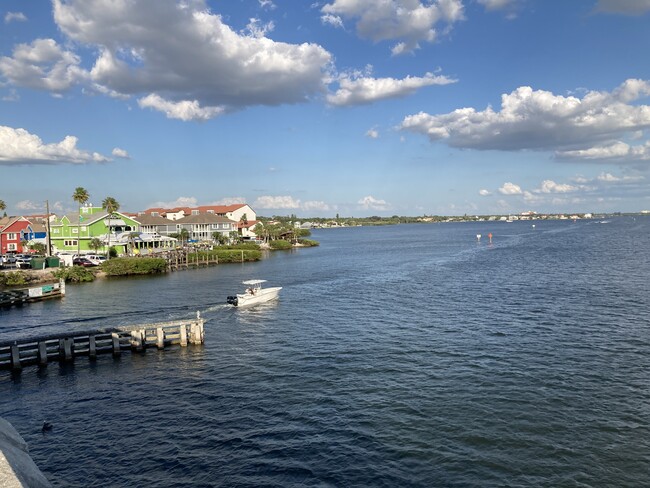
(92, 222)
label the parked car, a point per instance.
(9, 259)
(85, 262)
(95, 258)
(23, 261)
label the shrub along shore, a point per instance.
(132, 266)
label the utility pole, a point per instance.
(48, 251)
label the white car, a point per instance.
(23, 261)
(96, 259)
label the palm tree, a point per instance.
(3, 206)
(110, 205)
(95, 244)
(80, 196)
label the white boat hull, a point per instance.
(261, 295)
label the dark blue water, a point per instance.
(409, 355)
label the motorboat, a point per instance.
(254, 294)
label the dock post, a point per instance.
(92, 347)
(15, 357)
(196, 330)
(160, 338)
(116, 344)
(42, 353)
(183, 331)
(136, 340)
(66, 347)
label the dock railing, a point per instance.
(65, 347)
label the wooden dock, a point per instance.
(67, 346)
(19, 296)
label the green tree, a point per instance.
(219, 238)
(184, 234)
(3, 206)
(37, 247)
(111, 206)
(95, 243)
(81, 196)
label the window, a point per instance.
(155, 214)
(195, 212)
(75, 230)
(70, 243)
(211, 211)
(12, 247)
(84, 228)
(55, 231)
(11, 236)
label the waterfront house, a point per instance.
(236, 212)
(155, 224)
(18, 231)
(202, 226)
(246, 229)
(93, 222)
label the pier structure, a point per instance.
(64, 347)
(19, 296)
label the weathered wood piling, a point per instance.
(67, 346)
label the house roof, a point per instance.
(89, 218)
(204, 218)
(246, 225)
(217, 209)
(153, 220)
(5, 221)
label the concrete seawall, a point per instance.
(17, 469)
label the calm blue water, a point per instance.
(410, 355)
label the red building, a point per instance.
(17, 230)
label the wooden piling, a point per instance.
(42, 353)
(15, 357)
(183, 332)
(92, 346)
(160, 338)
(116, 344)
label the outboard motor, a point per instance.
(232, 300)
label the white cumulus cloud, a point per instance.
(120, 153)
(510, 189)
(29, 205)
(371, 203)
(18, 146)
(550, 186)
(572, 127)
(42, 65)
(225, 69)
(408, 21)
(372, 133)
(333, 20)
(357, 89)
(184, 110)
(287, 202)
(229, 201)
(484, 193)
(276, 202)
(15, 17)
(179, 202)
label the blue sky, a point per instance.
(355, 107)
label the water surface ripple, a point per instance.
(411, 355)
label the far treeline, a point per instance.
(400, 219)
